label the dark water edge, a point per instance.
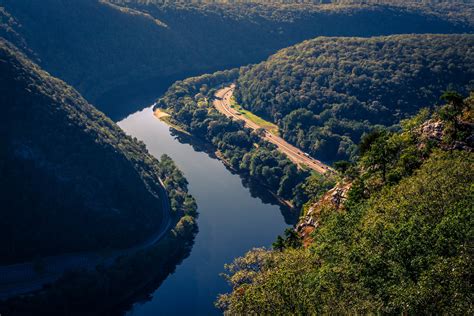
(117, 103)
(107, 290)
(120, 101)
(235, 216)
(240, 215)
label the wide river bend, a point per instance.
(232, 219)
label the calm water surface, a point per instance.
(231, 221)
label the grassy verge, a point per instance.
(269, 126)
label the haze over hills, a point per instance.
(71, 179)
(115, 51)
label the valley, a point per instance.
(251, 157)
(228, 206)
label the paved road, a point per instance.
(23, 277)
(222, 103)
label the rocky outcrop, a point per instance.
(334, 198)
(434, 130)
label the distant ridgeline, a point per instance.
(393, 237)
(71, 179)
(325, 93)
(112, 50)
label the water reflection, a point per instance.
(235, 215)
(178, 277)
(256, 190)
(107, 290)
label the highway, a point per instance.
(23, 277)
(222, 103)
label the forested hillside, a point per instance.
(71, 179)
(458, 11)
(325, 93)
(114, 51)
(189, 103)
(398, 242)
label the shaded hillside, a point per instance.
(400, 241)
(326, 92)
(460, 11)
(71, 179)
(112, 53)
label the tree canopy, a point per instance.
(115, 52)
(399, 245)
(325, 93)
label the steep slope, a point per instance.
(114, 51)
(71, 179)
(398, 242)
(326, 92)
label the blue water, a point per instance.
(231, 221)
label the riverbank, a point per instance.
(101, 291)
(224, 102)
(27, 277)
(235, 215)
(64, 279)
(166, 118)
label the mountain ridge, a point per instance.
(65, 165)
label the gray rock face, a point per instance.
(432, 130)
(334, 198)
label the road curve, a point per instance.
(222, 102)
(23, 277)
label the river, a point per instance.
(232, 219)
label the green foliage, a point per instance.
(400, 246)
(242, 148)
(458, 11)
(325, 93)
(290, 240)
(405, 250)
(143, 46)
(316, 185)
(182, 204)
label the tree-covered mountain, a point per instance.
(112, 51)
(394, 237)
(71, 179)
(325, 93)
(458, 11)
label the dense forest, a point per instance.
(325, 93)
(460, 11)
(68, 172)
(399, 242)
(114, 51)
(367, 86)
